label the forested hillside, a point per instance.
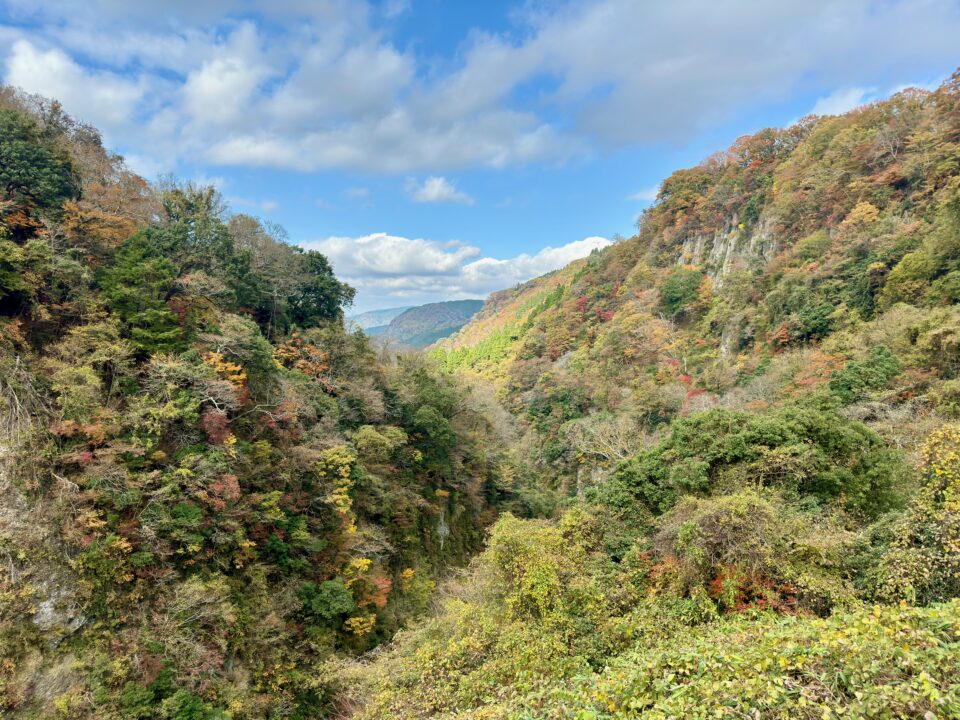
(208, 488)
(423, 325)
(374, 321)
(747, 416)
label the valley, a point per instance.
(710, 470)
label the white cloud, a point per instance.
(380, 255)
(264, 206)
(395, 8)
(221, 91)
(103, 98)
(316, 85)
(841, 101)
(390, 270)
(648, 195)
(356, 193)
(497, 274)
(436, 189)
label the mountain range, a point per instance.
(418, 326)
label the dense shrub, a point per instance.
(803, 451)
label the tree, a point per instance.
(679, 290)
(319, 296)
(34, 171)
(137, 287)
(923, 563)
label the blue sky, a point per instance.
(439, 149)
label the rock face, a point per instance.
(729, 248)
(58, 614)
(40, 600)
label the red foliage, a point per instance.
(81, 457)
(216, 424)
(224, 489)
(750, 591)
(381, 591)
(179, 307)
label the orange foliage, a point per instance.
(305, 357)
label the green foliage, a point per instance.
(803, 451)
(34, 170)
(923, 562)
(850, 383)
(320, 296)
(137, 287)
(21, 270)
(910, 279)
(326, 603)
(233, 487)
(753, 549)
(779, 667)
(679, 290)
(520, 641)
(234, 495)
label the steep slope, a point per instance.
(750, 413)
(738, 437)
(208, 488)
(423, 325)
(795, 248)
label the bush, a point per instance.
(751, 549)
(679, 290)
(326, 603)
(864, 664)
(923, 564)
(803, 451)
(850, 383)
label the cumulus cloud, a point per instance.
(103, 98)
(436, 189)
(220, 92)
(390, 270)
(497, 274)
(322, 85)
(384, 256)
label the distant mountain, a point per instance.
(423, 325)
(375, 322)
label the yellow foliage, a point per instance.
(335, 466)
(361, 626)
(863, 213)
(355, 570)
(229, 371)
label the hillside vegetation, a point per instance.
(374, 321)
(208, 488)
(746, 418)
(423, 325)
